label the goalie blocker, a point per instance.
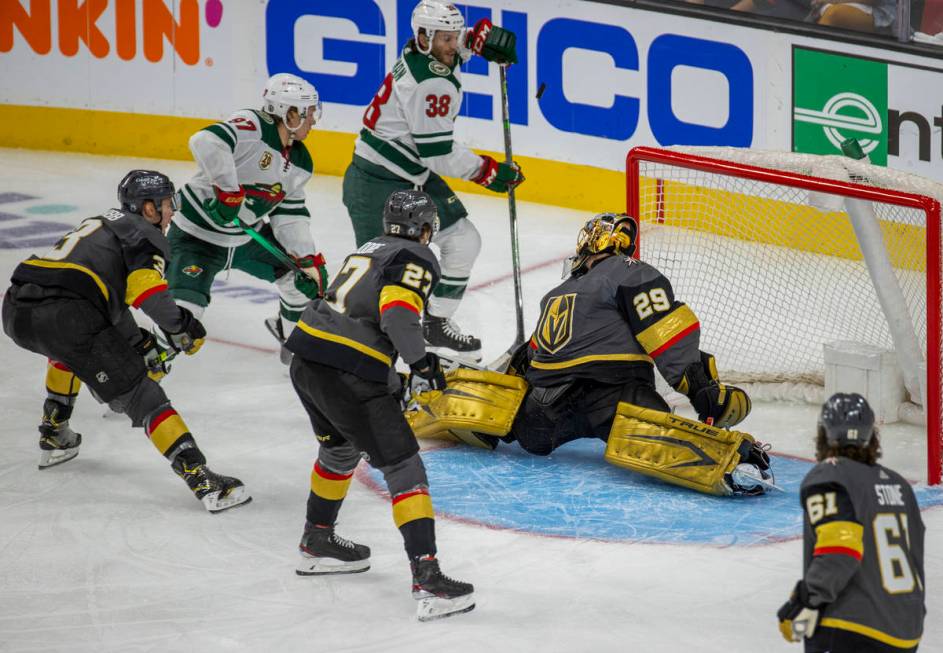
(479, 407)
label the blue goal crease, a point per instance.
(574, 493)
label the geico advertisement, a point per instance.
(611, 77)
(893, 109)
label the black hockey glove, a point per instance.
(797, 618)
(426, 375)
(190, 338)
(155, 357)
(716, 403)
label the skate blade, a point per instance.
(285, 355)
(51, 458)
(313, 566)
(451, 359)
(236, 497)
(434, 607)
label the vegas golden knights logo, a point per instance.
(555, 328)
(265, 161)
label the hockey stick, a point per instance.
(512, 210)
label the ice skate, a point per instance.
(439, 596)
(274, 326)
(324, 552)
(57, 442)
(753, 475)
(443, 336)
(215, 491)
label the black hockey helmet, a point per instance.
(141, 185)
(847, 419)
(615, 233)
(406, 212)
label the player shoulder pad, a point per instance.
(133, 231)
(301, 157)
(829, 471)
(411, 252)
(430, 73)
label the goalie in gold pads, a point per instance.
(589, 373)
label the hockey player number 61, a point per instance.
(892, 538)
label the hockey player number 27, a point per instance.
(892, 539)
(352, 272)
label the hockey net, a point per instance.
(781, 253)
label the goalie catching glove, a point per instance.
(492, 42)
(313, 282)
(797, 617)
(191, 335)
(716, 404)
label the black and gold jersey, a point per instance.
(372, 311)
(611, 324)
(863, 551)
(113, 260)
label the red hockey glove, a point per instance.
(492, 42)
(313, 283)
(224, 208)
(499, 177)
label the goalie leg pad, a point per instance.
(475, 401)
(673, 448)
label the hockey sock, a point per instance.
(62, 386)
(168, 433)
(415, 519)
(328, 489)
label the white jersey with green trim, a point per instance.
(246, 151)
(408, 128)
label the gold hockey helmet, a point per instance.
(614, 233)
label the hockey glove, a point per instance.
(797, 618)
(191, 337)
(492, 42)
(499, 177)
(224, 208)
(155, 357)
(716, 404)
(426, 375)
(315, 279)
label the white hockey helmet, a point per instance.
(284, 91)
(435, 15)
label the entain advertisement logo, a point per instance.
(107, 27)
(835, 98)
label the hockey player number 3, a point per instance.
(372, 113)
(892, 538)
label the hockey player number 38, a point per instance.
(439, 105)
(372, 113)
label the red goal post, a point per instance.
(774, 252)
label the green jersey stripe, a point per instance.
(222, 135)
(288, 211)
(435, 149)
(230, 129)
(422, 137)
(392, 154)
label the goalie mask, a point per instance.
(407, 212)
(139, 186)
(285, 91)
(604, 233)
(432, 16)
(847, 420)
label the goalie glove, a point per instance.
(224, 208)
(190, 337)
(156, 358)
(314, 281)
(716, 404)
(499, 177)
(492, 42)
(797, 617)
(426, 375)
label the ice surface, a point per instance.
(110, 552)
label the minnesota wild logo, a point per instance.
(439, 68)
(555, 328)
(193, 270)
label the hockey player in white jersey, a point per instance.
(407, 142)
(252, 165)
